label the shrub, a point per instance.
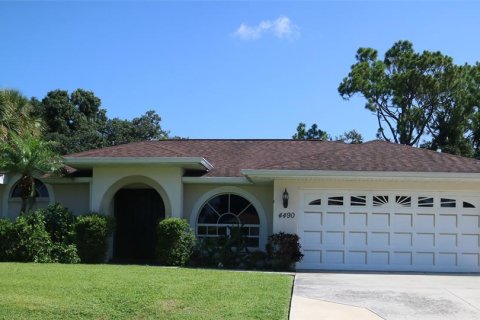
(30, 241)
(92, 232)
(64, 253)
(228, 251)
(59, 223)
(7, 231)
(283, 250)
(175, 241)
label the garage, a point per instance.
(389, 231)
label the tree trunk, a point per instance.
(27, 185)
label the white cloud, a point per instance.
(282, 28)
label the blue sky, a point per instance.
(221, 69)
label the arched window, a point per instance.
(40, 190)
(229, 210)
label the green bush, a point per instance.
(30, 241)
(59, 223)
(7, 232)
(228, 251)
(283, 250)
(175, 241)
(92, 232)
(64, 253)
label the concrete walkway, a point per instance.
(385, 296)
(305, 308)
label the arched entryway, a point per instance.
(137, 210)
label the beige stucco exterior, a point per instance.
(106, 181)
(184, 198)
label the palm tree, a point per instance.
(15, 115)
(30, 157)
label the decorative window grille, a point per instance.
(380, 200)
(335, 201)
(448, 203)
(425, 202)
(317, 202)
(358, 201)
(224, 213)
(404, 201)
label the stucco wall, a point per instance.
(193, 194)
(2, 190)
(75, 197)
(10, 208)
(108, 180)
(295, 187)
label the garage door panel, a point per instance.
(357, 257)
(402, 258)
(447, 221)
(335, 257)
(335, 238)
(379, 258)
(447, 259)
(424, 240)
(388, 231)
(380, 220)
(357, 239)
(357, 219)
(469, 241)
(402, 221)
(471, 259)
(447, 240)
(312, 256)
(379, 239)
(313, 220)
(334, 220)
(469, 222)
(312, 237)
(424, 259)
(424, 221)
(402, 239)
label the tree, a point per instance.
(144, 128)
(311, 134)
(30, 157)
(74, 121)
(15, 115)
(415, 95)
(77, 122)
(351, 137)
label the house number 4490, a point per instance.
(286, 215)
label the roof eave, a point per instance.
(184, 162)
(262, 174)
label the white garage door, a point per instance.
(390, 231)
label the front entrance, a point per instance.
(137, 212)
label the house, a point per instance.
(372, 206)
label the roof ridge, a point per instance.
(426, 150)
(251, 139)
(102, 148)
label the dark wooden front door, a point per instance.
(137, 212)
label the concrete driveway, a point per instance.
(387, 296)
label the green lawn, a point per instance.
(55, 291)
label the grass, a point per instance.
(55, 291)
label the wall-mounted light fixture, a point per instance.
(285, 198)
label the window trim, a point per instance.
(197, 207)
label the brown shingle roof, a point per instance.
(230, 156)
